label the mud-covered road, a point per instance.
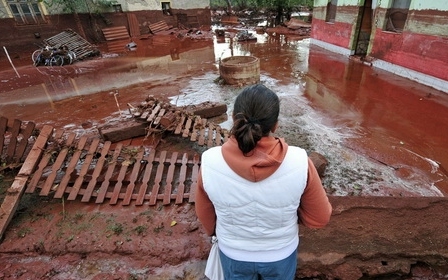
(383, 136)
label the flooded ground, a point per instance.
(382, 134)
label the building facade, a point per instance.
(406, 37)
(25, 23)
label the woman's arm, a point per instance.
(204, 208)
(315, 209)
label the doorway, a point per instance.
(364, 28)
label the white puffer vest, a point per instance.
(256, 221)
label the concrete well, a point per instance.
(240, 70)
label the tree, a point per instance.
(280, 8)
(78, 6)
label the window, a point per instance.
(166, 8)
(26, 12)
(397, 14)
(331, 10)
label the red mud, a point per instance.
(51, 239)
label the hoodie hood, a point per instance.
(258, 164)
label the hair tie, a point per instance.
(253, 121)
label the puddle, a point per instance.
(383, 135)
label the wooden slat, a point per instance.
(201, 139)
(21, 147)
(13, 140)
(182, 177)
(84, 169)
(194, 132)
(158, 27)
(147, 175)
(169, 179)
(134, 176)
(186, 131)
(3, 129)
(194, 178)
(134, 28)
(153, 113)
(96, 173)
(218, 136)
(159, 116)
(210, 135)
(110, 170)
(119, 183)
(115, 33)
(180, 125)
(158, 179)
(43, 163)
(15, 192)
(56, 167)
(71, 167)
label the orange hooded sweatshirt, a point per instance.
(314, 210)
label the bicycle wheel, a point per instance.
(35, 55)
(57, 60)
(38, 60)
(72, 56)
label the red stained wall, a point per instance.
(19, 39)
(423, 53)
(334, 33)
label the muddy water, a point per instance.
(382, 134)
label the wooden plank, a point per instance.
(15, 130)
(169, 179)
(119, 183)
(210, 135)
(187, 128)
(15, 192)
(134, 28)
(154, 113)
(84, 169)
(156, 187)
(123, 130)
(110, 171)
(144, 185)
(180, 125)
(115, 33)
(218, 138)
(197, 124)
(158, 27)
(194, 178)
(42, 164)
(159, 116)
(57, 165)
(21, 147)
(134, 176)
(182, 177)
(96, 173)
(201, 139)
(3, 129)
(71, 167)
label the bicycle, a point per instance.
(49, 56)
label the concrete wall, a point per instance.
(418, 52)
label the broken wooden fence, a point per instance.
(63, 167)
(93, 172)
(15, 141)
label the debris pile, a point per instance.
(153, 118)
